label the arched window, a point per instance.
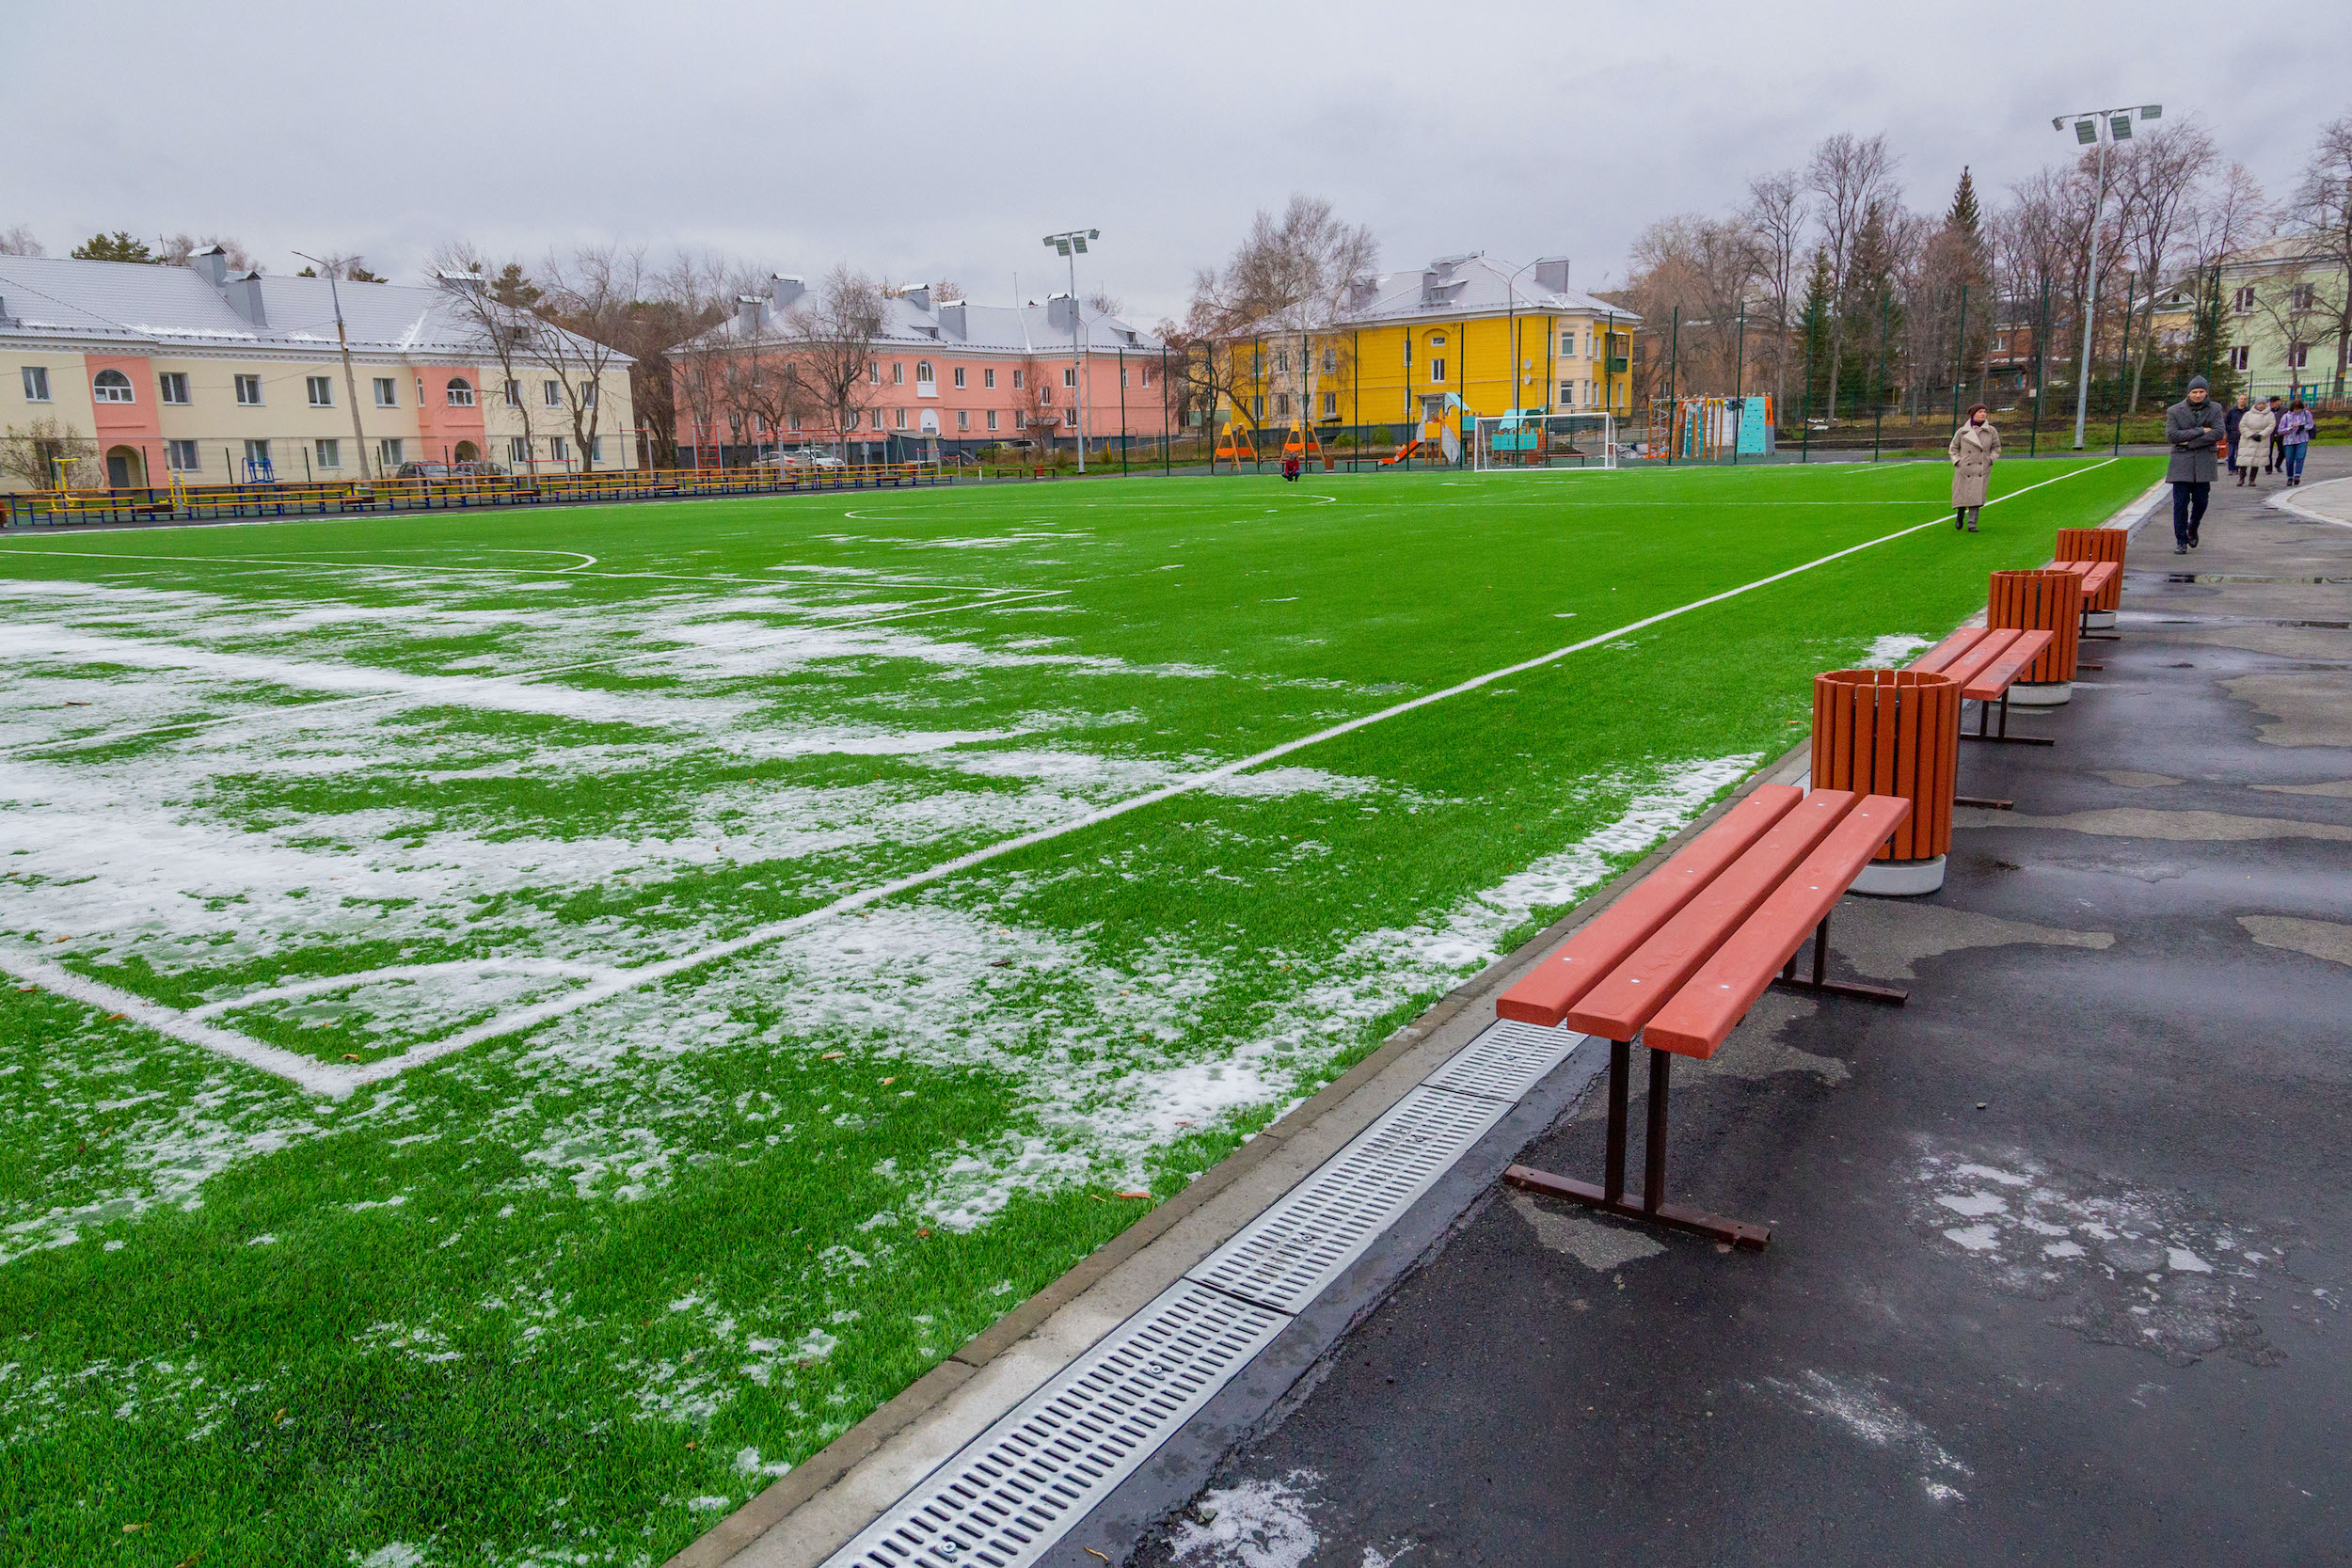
(922, 370)
(112, 387)
(460, 392)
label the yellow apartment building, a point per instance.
(1495, 336)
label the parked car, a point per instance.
(421, 471)
(479, 470)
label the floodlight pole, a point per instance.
(1070, 243)
(2103, 123)
(351, 385)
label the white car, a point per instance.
(806, 457)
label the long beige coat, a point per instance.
(2253, 436)
(1974, 447)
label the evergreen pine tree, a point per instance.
(1964, 214)
(117, 246)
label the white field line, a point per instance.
(460, 683)
(822, 580)
(341, 1079)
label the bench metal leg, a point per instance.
(1822, 981)
(1653, 1208)
(2002, 737)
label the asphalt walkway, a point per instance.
(2062, 1248)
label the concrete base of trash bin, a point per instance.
(2048, 694)
(1901, 879)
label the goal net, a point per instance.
(1529, 439)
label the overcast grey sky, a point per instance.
(941, 141)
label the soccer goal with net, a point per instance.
(1530, 439)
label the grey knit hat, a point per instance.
(2197, 384)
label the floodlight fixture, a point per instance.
(2120, 127)
(2151, 111)
(2085, 130)
(2087, 134)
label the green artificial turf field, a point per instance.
(515, 1033)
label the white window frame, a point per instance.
(551, 393)
(327, 452)
(177, 450)
(257, 450)
(1016, 380)
(2238, 358)
(117, 390)
(1281, 405)
(964, 420)
(320, 389)
(248, 391)
(595, 449)
(1330, 405)
(1257, 407)
(960, 381)
(511, 392)
(1436, 371)
(1070, 375)
(897, 373)
(587, 394)
(991, 418)
(873, 372)
(558, 450)
(388, 391)
(171, 387)
(389, 450)
(36, 378)
(988, 378)
(2242, 302)
(460, 392)
(1070, 419)
(899, 418)
(2298, 356)
(518, 451)
(877, 416)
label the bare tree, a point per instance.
(831, 334)
(19, 241)
(1776, 219)
(2319, 217)
(1690, 276)
(492, 306)
(591, 296)
(32, 454)
(1848, 176)
(177, 249)
(1287, 282)
(2158, 175)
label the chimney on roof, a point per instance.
(919, 296)
(951, 317)
(210, 263)
(245, 297)
(1061, 313)
(747, 315)
(784, 293)
(1362, 289)
(462, 282)
(1551, 273)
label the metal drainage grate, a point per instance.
(1013, 1491)
(1287, 1255)
(1506, 1060)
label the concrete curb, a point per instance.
(808, 1514)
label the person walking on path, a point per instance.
(2194, 427)
(2278, 457)
(1974, 447)
(2253, 443)
(2294, 439)
(2230, 421)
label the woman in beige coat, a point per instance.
(1974, 446)
(2253, 438)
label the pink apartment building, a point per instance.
(944, 377)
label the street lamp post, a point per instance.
(351, 385)
(1071, 244)
(2103, 128)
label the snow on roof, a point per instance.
(910, 324)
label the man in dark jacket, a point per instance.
(2193, 426)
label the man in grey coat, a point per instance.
(2193, 426)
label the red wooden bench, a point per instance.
(2098, 576)
(1987, 661)
(1679, 960)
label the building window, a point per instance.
(1409, 350)
(1436, 370)
(1568, 345)
(249, 390)
(1330, 405)
(1330, 360)
(899, 418)
(180, 457)
(1281, 360)
(988, 378)
(1257, 408)
(991, 418)
(1568, 394)
(793, 423)
(460, 392)
(897, 373)
(36, 384)
(876, 412)
(1147, 376)
(2305, 297)
(1122, 376)
(111, 387)
(1436, 340)
(558, 449)
(1070, 375)
(257, 456)
(2237, 359)
(327, 452)
(923, 372)
(964, 419)
(873, 372)
(518, 451)
(322, 392)
(959, 376)
(1281, 405)
(1070, 417)
(1016, 380)
(172, 387)
(552, 393)
(2298, 355)
(2242, 301)
(388, 391)
(388, 454)
(512, 394)
(595, 449)
(587, 394)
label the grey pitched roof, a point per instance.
(158, 308)
(916, 321)
(1469, 285)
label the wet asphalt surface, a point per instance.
(2062, 1248)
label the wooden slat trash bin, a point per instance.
(2050, 601)
(1893, 733)
(2097, 543)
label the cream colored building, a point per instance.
(147, 371)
